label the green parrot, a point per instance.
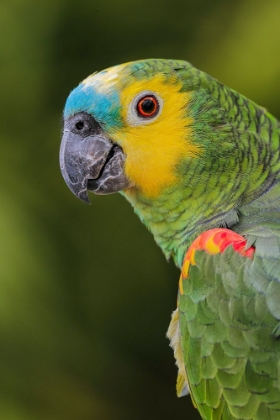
(200, 164)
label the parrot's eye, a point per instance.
(147, 106)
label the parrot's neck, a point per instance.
(176, 220)
(233, 180)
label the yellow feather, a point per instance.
(153, 149)
(173, 334)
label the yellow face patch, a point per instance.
(154, 147)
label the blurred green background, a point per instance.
(85, 294)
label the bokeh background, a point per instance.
(85, 294)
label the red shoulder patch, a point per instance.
(214, 241)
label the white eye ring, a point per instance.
(134, 117)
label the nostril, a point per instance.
(79, 125)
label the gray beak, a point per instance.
(89, 160)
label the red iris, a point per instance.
(147, 106)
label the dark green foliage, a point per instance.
(86, 295)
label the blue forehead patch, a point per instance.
(104, 107)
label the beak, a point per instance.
(89, 160)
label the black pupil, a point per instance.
(148, 105)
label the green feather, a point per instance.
(242, 361)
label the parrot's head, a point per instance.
(128, 127)
(185, 150)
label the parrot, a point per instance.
(200, 165)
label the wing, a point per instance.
(229, 311)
